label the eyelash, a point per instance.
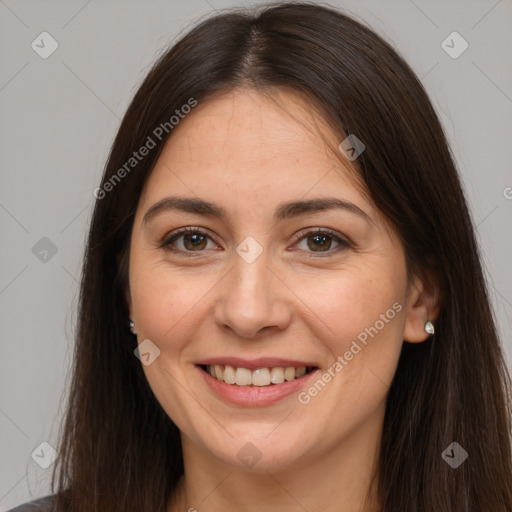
(172, 237)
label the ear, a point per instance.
(424, 302)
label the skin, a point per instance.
(246, 153)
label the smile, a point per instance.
(265, 382)
(239, 376)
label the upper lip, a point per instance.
(254, 364)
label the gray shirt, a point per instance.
(40, 505)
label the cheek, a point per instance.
(166, 302)
(353, 303)
(361, 314)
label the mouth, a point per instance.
(259, 377)
(255, 383)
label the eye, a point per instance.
(192, 240)
(186, 240)
(321, 241)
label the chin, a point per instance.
(261, 454)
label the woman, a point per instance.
(281, 226)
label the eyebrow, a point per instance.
(284, 211)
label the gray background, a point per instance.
(58, 119)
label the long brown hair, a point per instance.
(120, 451)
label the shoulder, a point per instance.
(40, 505)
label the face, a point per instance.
(286, 266)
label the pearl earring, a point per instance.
(132, 327)
(429, 327)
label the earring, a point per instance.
(132, 327)
(429, 327)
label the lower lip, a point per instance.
(255, 395)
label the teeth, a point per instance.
(300, 371)
(219, 372)
(289, 374)
(229, 375)
(277, 376)
(259, 377)
(243, 377)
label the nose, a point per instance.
(252, 299)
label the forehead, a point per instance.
(245, 144)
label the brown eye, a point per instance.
(321, 241)
(194, 241)
(186, 240)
